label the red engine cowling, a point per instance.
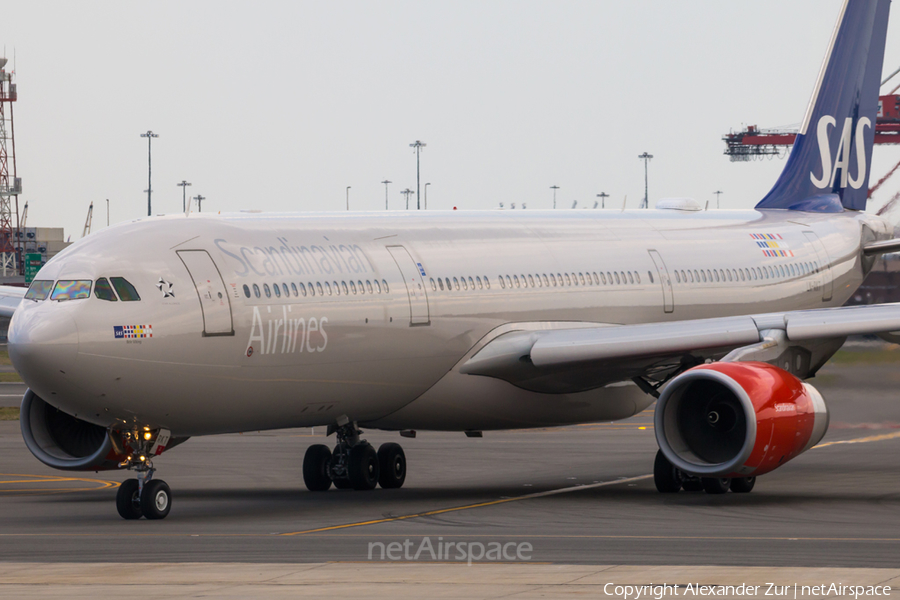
(737, 419)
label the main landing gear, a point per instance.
(144, 496)
(354, 463)
(669, 479)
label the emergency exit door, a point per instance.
(665, 281)
(214, 302)
(415, 285)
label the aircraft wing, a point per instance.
(10, 297)
(571, 360)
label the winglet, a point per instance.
(832, 154)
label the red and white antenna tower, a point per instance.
(10, 184)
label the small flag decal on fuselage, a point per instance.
(131, 332)
(772, 244)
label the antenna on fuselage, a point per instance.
(87, 222)
(624, 202)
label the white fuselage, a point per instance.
(381, 339)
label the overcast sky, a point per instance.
(282, 105)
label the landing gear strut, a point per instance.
(669, 479)
(144, 496)
(354, 463)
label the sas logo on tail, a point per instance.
(842, 155)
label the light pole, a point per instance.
(407, 192)
(646, 158)
(418, 146)
(199, 200)
(717, 193)
(603, 196)
(426, 195)
(149, 135)
(554, 188)
(107, 212)
(386, 182)
(348, 197)
(183, 186)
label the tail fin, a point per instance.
(829, 164)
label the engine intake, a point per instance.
(737, 419)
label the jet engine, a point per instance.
(62, 441)
(737, 419)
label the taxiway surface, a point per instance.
(577, 495)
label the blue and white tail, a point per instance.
(829, 165)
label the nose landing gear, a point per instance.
(143, 496)
(354, 463)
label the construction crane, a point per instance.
(754, 143)
(87, 222)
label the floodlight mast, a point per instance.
(418, 145)
(149, 135)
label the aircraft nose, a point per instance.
(43, 343)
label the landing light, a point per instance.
(147, 435)
(143, 458)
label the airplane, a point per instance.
(140, 336)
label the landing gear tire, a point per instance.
(315, 468)
(392, 466)
(666, 477)
(692, 484)
(156, 499)
(343, 484)
(362, 467)
(715, 485)
(128, 502)
(742, 485)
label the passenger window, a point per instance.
(456, 283)
(256, 290)
(124, 289)
(246, 290)
(353, 286)
(465, 286)
(294, 289)
(530, 280)
(377, 287)
(384, 284)
(487, 283)
(441, 283)
(596, 279)
(359, 284)
(369, 285)
(630, 278)
(617, 277)
(516, 280)
(471, 283)
(72, 290)
(637, 276)
(287, 292)
(337, 288)
(303, 289)
(677, 277)
(344, 287)
(524, 281)
(729, 275)
(320, 289)
(277, 290)
(104, 291)
(433, 285)
(568, 280)
(623, 277)
(317, 288)
(502, 283)
(478, 280)
(39, 290)
(704, 276)
(649, 274)
(581, 278)
(267, 290)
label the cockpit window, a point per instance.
(104, 291)
(125, 290)
(72, 290)
(39, 290)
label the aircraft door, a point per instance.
(665, 281)
(824, 265)
(415, 285)
(214, 302)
